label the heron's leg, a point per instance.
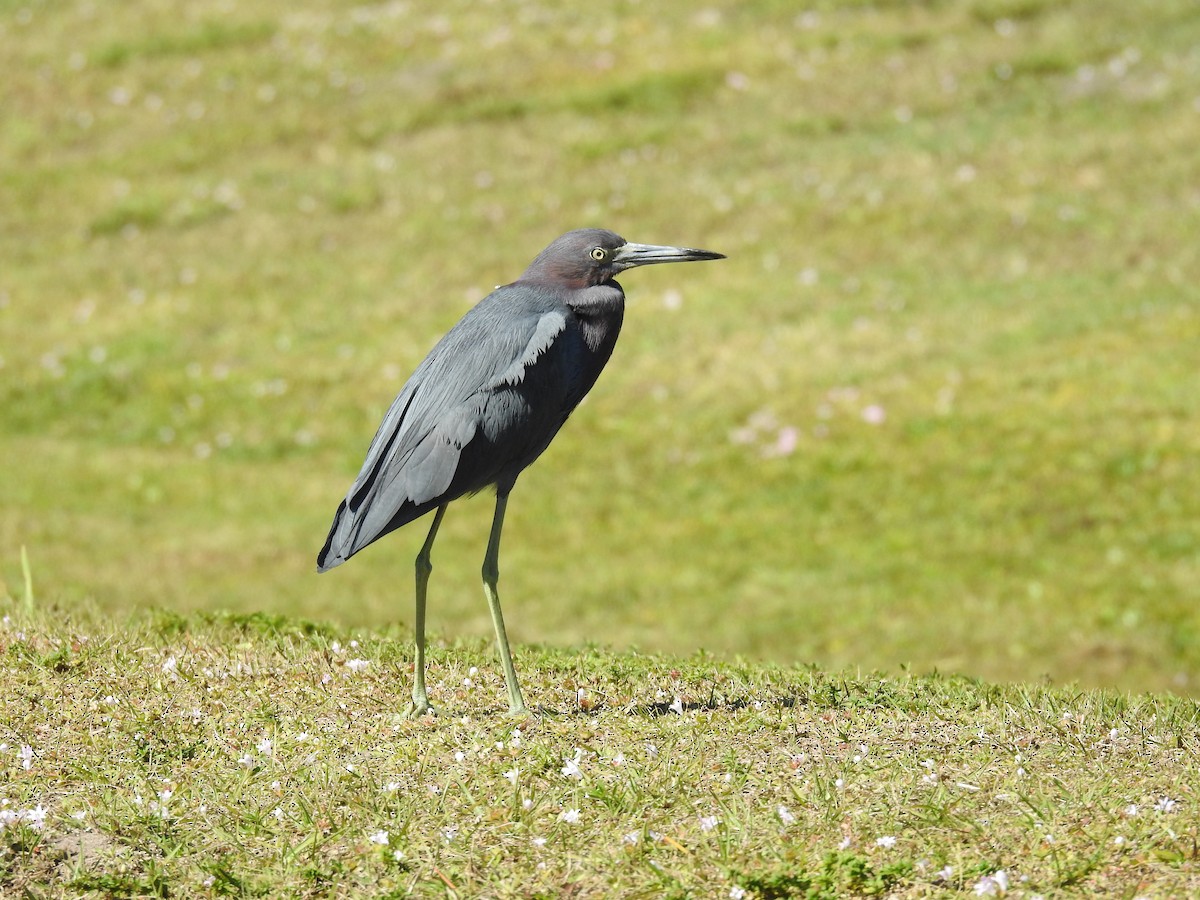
(491, 574)
(420, 699)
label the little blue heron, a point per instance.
(485, 403)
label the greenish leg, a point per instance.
(491, 574)
(420, 700)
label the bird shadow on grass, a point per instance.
(712, 706)
(671, 708)
(678, 707)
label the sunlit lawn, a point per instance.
(939, 407)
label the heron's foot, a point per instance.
(419, 707)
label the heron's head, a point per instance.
(593, 256)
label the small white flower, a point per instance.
(170, 667)
(526, 804)
(945, 873)
(459, 756)
(737, 892)
(25, 754)
(886, 841)
(392, 786)
(785, 815)
(619, 759)
(677, 707)
(450, 832)
(398, 855)
(247, 760)
(264, 746)
(512, 774)
(839, 783)
(631, 839)
(571, 768)
(708, 823)
(357, 665)
(570, 816)
(1166, 805)
(379, 837)
(874, 414)
(994, 885)
(1131, 810)
(538, 842)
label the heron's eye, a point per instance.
(599, 254)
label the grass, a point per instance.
(227, 755)
(949, 364)
(937, 413)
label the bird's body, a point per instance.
(481, 407)
(487, 400)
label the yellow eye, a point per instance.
(599, 254)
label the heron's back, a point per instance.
(482, 406)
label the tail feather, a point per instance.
(337, 545)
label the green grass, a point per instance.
(230, 234)
(261, 756)
(939, 411)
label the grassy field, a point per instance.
(939, 412)
(936, 419)
(250, 756)
(939, 408)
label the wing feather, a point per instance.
(415, 455)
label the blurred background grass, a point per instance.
(939, 407)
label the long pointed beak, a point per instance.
(630, 255)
